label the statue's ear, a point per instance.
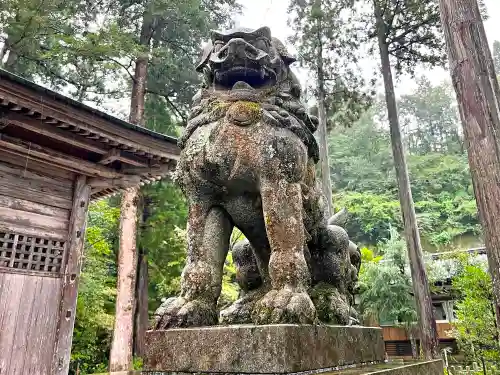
(286, 56)
(207, 50)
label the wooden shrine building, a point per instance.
(56, 155)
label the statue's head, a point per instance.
(242, 57)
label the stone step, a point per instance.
(408, 368)
(412, 368)
(267, 349)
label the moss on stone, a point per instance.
(218, 108)
(245, 111)
(330, 305)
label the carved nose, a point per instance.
(238, 48)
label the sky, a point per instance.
(273, 13)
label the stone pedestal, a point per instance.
(269, 349)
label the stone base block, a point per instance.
(269, 349)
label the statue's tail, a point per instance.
(339, 218)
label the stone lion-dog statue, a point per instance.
(248, 161)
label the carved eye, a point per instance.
(218, 44)
(262, 44)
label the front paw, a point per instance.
(284, 306)
(177, 312)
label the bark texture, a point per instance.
(476, 85)
(121, 347)
(428, 330)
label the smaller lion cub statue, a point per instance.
(248, 161)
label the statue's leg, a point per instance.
(288, 301)
(209, 230)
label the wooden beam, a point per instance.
(111, 156)
(67, 307)
(54, 132)
(37, 152)
(121, 183)
(149, 172)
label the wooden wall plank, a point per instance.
(28, 314)
(33, 195)
(33, 207)
(32, 220)
(42, 333)
(32, 165)
(11, 298)
(35, 181)
(36, 175)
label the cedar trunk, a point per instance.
(121, 356)
(142, 312)
(322, 132)
(428, 330)
(476, 85)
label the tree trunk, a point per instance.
(322, 133)
(413, 342)
(142, 312)
(428, 330)
(474, 78)
(121, 356)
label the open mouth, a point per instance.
(256, 78)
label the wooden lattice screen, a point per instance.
(33, 254)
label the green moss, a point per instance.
(218, 108)
(330, 305)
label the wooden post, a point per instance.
(71, 276)
(423, 301)
(478, 95)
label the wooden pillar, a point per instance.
(478, 95)
(71, 276)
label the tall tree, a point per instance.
(407, 31)
(121, 357)
(496, 55)
(325, 40)
(474, 78)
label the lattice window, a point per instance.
(30, 253)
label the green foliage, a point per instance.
(430, 120)
(164, 238)
(412, 32)
(327, 41)
(475, 329)
(364, 181)
(96, 296)
(385, 284)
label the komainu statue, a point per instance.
(248, 161)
